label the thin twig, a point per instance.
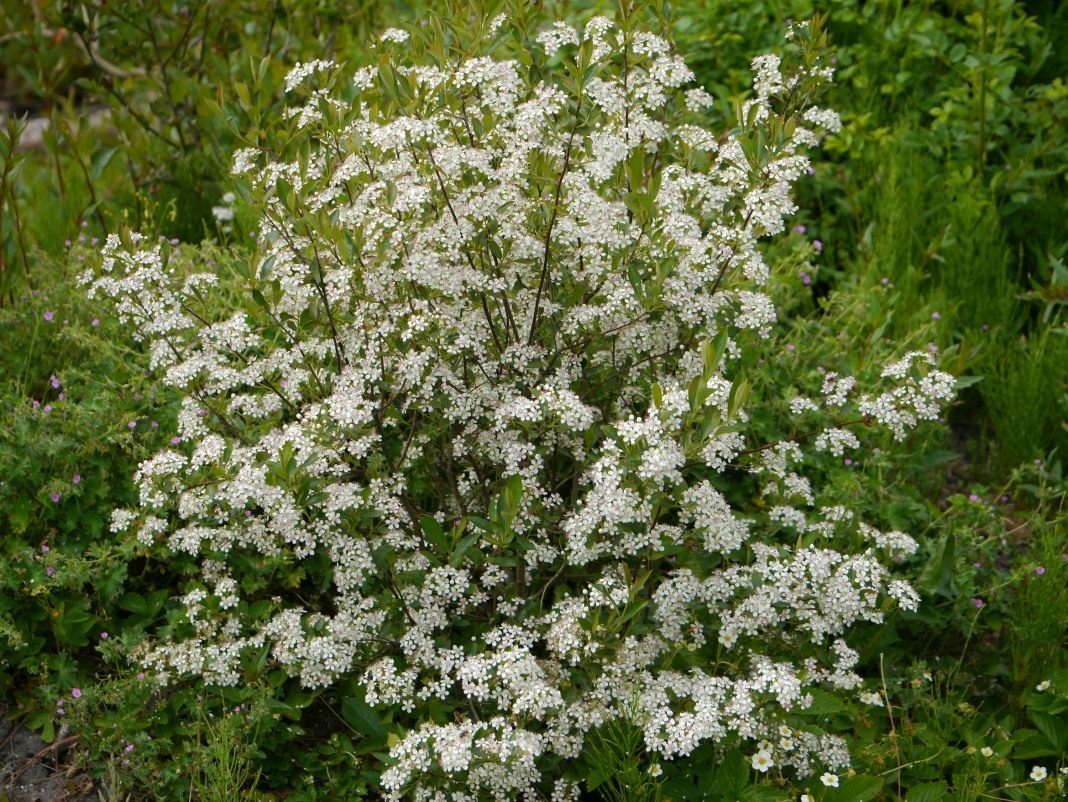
(893, 728)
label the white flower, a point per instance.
(830, 780)
(1038, 773)
(986, 751)
(222, 213)
(1042, 685)
(871, 699)
(762, 761)
(396, 35)
(655, 770)
(805, 798)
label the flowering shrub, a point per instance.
(473, 424)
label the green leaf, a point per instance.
(739, 395)
(856, 789)
(937, 575)
(732, 774)
(362, 717)
(1052, 727)
(637, 283)
(72, 623)
(133, 603)
(598, 775)
(1030, 744)
(433, 532)
(681, 789)
(462, 547)
(934, 458)
(513, 493)
(712, 352)
(967, 381)
(19, 514)
(765, 793)
(824, 704)
(640, 204)
(927, 792)
(99, 162)
(636, 167)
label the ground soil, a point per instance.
(33, 771)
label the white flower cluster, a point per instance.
(479, 410)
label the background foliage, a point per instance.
(938, 213)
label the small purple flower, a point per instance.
(973, 497)
(977, 565)
(77, 478)
(44, 548)
(96, 321)
(104, 635)
(154, 424)
(175, 440)
(936, 316)
(283, 383)
(81, 238)
(66, 243)
(847, 461)
(806, 279)
(1041, 570)
(799, 229)
(53, 381)
(36, 404)
(94, 241)
(791, 347)
(132, 424)
(49, 315)
(85, 224)
(817, 245)
(129, 748)
(174, 241)
(76, 693)
(46, 408)
(248, 513)
(884, 281)
(203, 413)
(978, 603)
(140, 675)
(50, 570)
(62, 397)
(55, 498)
